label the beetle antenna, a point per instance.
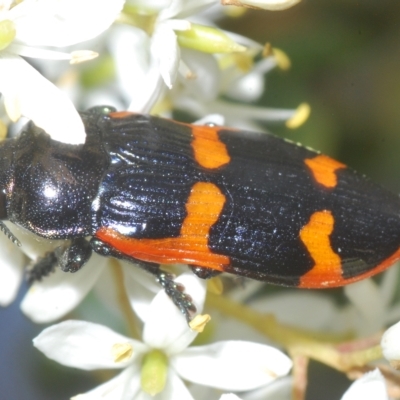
(9, 234)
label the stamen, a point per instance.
(199, 322)
(282, 59)
(300, 116)
(121, 352)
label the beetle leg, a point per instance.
(204, 273)
(43, 267)
(174, 290)
(70, 259)
(74, 257)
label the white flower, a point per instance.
(369, 310)
(55, 23)
(370, 386)
(148, 62)
(391, 345)
(231, 366)
(55, 295)
(281, 389)
(229, 396)
(273, 5)
(60, 292)
(197, 70)
(203, 94)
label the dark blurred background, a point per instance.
(346, 64)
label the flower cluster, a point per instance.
(161, 56)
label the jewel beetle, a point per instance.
(155, 191)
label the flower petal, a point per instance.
(174, 7)
(192, 7)
(141, 288)
(5, 5)
(370, 386)
(32, 52)
(12, 262)
(175, 388)
(248, 88)
(366, 298)
(138, 74)
(272, 5)
(232, 365)
(165, 326)
(60, 292)
(307, 310)
(164, 48)
(229, 396)
(28, 93)
(86, 345)
(32, 246)
(63, 22)
(281, 389)
(124, 386)
(148, 92)
(204, 81)
(391, 345)
(388, 285)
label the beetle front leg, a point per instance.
(174, 290)
(44, 266)
(74, 257)
(69, 258)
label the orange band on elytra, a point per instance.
(203, 208)
(324, 169)
(209, 151)
(328, 268)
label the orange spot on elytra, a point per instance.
(324, 169)
(327, 270)
(121, 114)
(203, 208)
(315, 236)
(209, 151)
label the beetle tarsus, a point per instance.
(176, 293)
(43, 267)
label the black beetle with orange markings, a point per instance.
(156, 191)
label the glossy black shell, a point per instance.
(135, 175)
